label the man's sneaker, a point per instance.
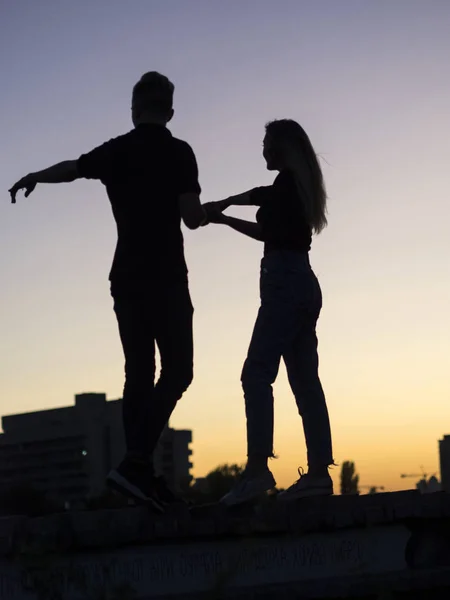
(137, 481)
(164, 493)
(249, 488)
(307, 486)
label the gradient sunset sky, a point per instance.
(369, 81)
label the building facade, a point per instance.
(67, 452)
(444, 460)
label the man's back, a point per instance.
(145, 171)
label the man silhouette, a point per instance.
(151, 179)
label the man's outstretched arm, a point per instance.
(63, 172)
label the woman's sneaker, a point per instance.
(307, 486)
(248, 488)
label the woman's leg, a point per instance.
(258, 375)
(275, 330)
(302, 365)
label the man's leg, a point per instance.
(174, 337)
(136, 327)
(134, 309)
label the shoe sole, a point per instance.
(306, 494)
(118, 482)
(249, 499)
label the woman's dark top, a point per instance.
(281, 215)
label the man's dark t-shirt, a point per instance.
(144, 172)
(282, 216)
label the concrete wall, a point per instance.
(316, 548)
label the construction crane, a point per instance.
(423, 475)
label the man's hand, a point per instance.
(63, 172)
(27, 183)
(214, 211)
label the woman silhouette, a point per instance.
(290, 210)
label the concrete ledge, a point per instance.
(190, 567)
(193, 554)
(79, 530)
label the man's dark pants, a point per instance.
(150, 313)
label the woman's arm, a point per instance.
(248, 228)
(238, 200)
(214, 211)
(253, 197)
(219, 206)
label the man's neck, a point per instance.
(151, 121)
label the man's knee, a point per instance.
(139, 376)
(176, 380)
(185, 379)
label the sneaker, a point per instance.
(307, 486)
(137, 481)
(165, 495)
(248, 488)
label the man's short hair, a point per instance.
(154, 93)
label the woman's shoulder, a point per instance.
(285, 186)
(284, 179)
(261, 195)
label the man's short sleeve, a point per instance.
(187, 175)
(101, 162)
(260, 195)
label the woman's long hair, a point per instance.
(290, 140)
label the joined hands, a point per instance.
(214, 211)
